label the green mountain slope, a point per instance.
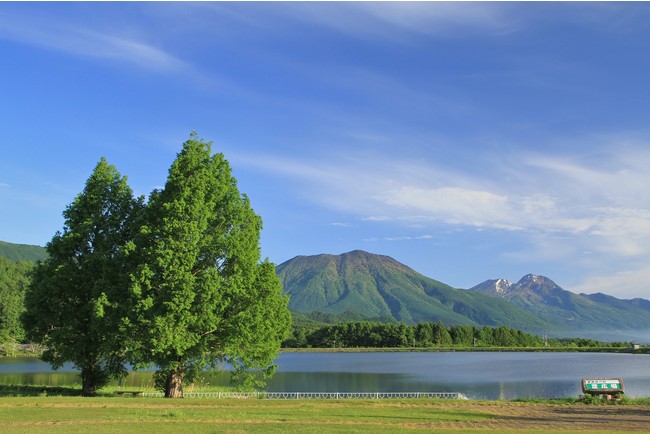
(380, 288)
(22, 252)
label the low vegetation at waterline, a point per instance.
(152, 415)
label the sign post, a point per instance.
(603, 386)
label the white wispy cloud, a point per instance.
(409, 238)
(81, 40)
(628, 283)
(551, 198)
(383, 19)
(560, 205)
(450, 204)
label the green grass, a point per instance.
(144, 415)
(70, 414)
(44, 390)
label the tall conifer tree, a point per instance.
(204, 296)
(74, 305)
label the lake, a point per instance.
(479, 375)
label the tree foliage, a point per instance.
(203, 297)
(398, 335)
(14, 279)
(177, 282)
(368, 334)
(74, 303)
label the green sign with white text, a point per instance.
(602, 385)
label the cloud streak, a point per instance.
(84, 41)
(563, 205)
(548, 196)
(383, 20)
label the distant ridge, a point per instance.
(22, 252)
(359, 285)
(580, 314)
(380, 288)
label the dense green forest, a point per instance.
(16, 263)
(364, 334)
(14, 280)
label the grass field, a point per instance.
(68, 414)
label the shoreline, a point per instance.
(642, 350)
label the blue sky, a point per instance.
(469, 141)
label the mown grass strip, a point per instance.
(157, 415)
(150, 415)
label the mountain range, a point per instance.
(360, 285)
(580, 314)
(378, 287)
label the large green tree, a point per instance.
(204, 297)
(75, 303)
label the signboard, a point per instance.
(602, 385)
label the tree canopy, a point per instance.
(74, 302)
(177, 282)
(203, 296)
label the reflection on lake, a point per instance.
(500, 375)
(478, 375)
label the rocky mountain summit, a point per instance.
(530, 289)
(580, 314)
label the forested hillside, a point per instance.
(22, 252)
(361, 285)
(14, 278)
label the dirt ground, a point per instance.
(540, 417)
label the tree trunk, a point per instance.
(88, 386)
(174, 383)
(93, 378)
(88, 389)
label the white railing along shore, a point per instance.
(316, 395)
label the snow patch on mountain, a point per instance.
(501, 286)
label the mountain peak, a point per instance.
(376, 287)
(532, 284)
(498, 287)
(363, 285)
(531, 278)
(537, 284)
(502, 286)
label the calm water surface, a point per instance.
(477, 375)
